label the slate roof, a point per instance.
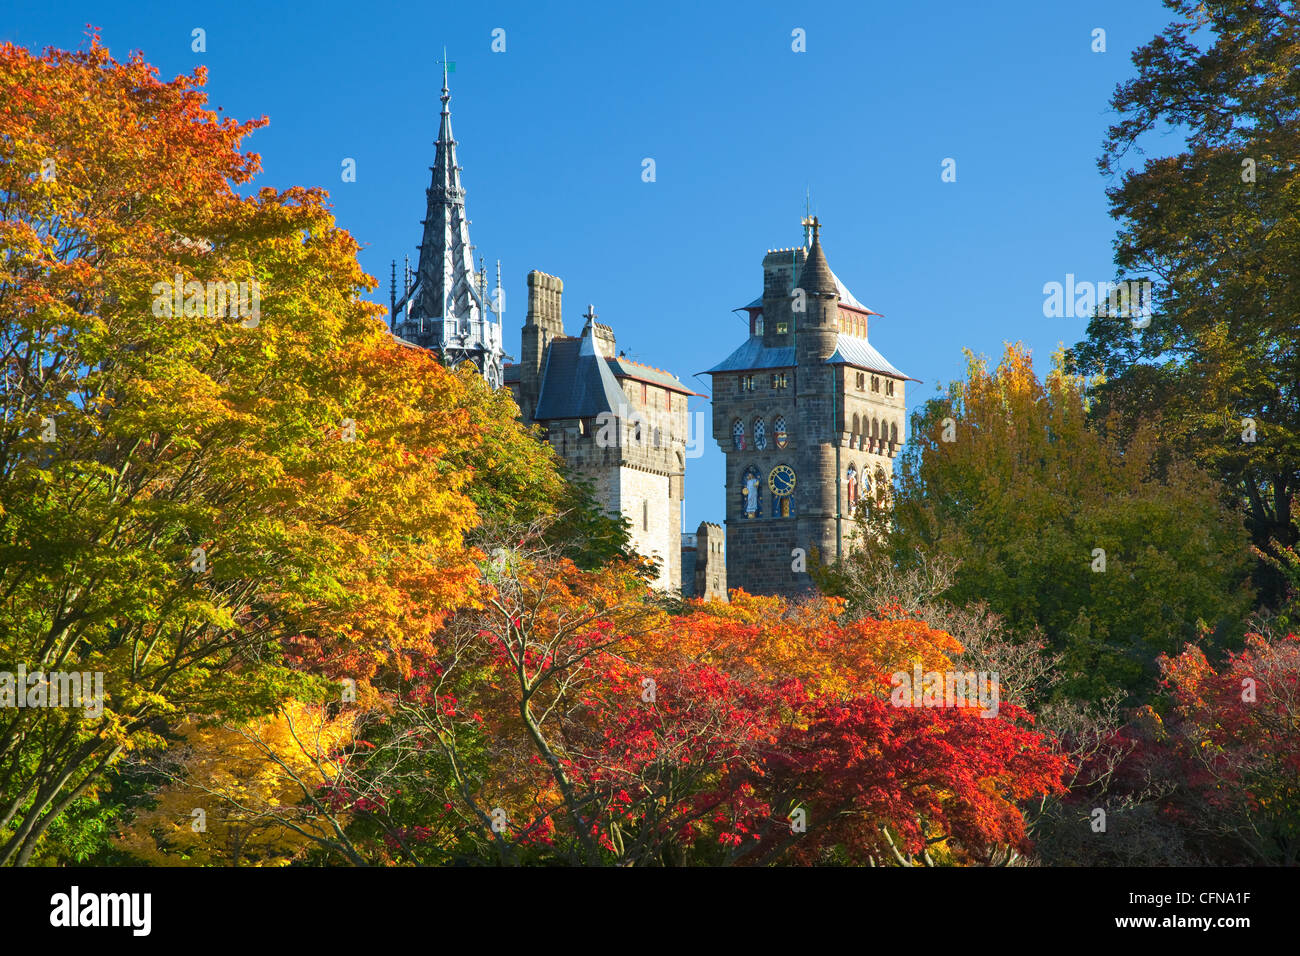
(754, 355)
(846, 298)
(624, 367)
(851, 350)
(577, 381)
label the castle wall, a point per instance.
(690, 557)
(639, 479)
(655, 520)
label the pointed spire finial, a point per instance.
(807, 219)
(446, 93)
(498, 295)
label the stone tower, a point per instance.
(615, 422)
(542, 324)
(704, 563)
(810, 417)
(444, 305)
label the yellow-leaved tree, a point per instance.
(256, 794)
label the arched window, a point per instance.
(778, 431)
(751, 493)
(851, 480)
(738, 434)
(857, 428)
(875, 431)
(893, 433)
(760, 434)
(645, 516)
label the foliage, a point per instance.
(241, 795)
(1216, 226)
(570, 720)
(1235, 734)
(1024, 494)
(204, 504)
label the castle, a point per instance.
(808, 414)
(810, 417)
(618, 423)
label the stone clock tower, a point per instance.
(810, 417)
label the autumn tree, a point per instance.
(1057, 525)
(221, 480)
(251, 794)
(1214, 224)
(515, 483)
(1235, 733)
(569, 720)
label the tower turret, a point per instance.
(818, 397)
(542, 323)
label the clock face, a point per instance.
(781, 481)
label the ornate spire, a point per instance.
(443, 307)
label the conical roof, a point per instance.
(816, 275)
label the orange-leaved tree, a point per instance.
(216, 465)
(568, 719)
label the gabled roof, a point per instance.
(754, 355)
(624, 367)
(577, 381)
(851, 350)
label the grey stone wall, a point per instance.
(710, 570)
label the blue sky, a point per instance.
(552, 134)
